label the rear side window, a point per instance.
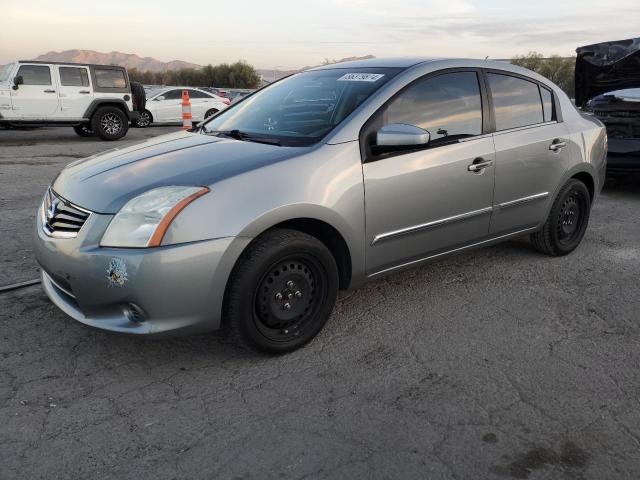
(516, 101)
(74, 77)
(547, 104)
(35, 74)
(448, 106)
(110, 78)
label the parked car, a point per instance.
(322, 181)
(165, 106)
(608, 86)
(90, 98)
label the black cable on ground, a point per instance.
(16, 286)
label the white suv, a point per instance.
(93, 99)
(165, 106)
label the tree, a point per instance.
(235, 75)
(560, 70)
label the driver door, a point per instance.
(429, 200)
(37, 97)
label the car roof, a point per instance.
(392, 62)
(166, 89)
(45, 62)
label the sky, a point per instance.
(291, 34)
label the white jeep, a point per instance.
(93, 99)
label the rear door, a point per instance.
(531, 150)
(37, 97)
(76, 93)
(199, 105)
(421, 202)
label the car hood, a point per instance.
(103, 183)
(604, 67)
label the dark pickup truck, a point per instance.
(607, 83)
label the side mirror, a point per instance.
(401, 135)
(17, 80)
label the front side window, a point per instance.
(304, 108)
(448, 106)
(74, 77)
(35, 74)
(516, 102)
(110, 78)
(172, 95)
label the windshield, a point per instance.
(5, 70)
(302, 109)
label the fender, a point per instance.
(93, 106)
(353, 240)
(583, 167)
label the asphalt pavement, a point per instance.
(496, 364)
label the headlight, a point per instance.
(144, 220)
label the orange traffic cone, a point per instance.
(186, 111)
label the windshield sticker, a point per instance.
(361, 77)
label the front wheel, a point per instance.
(144, 120)
(110, 123)
(281, 291)
(567, 222)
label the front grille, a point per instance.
(60, 218)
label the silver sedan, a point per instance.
(318, 182)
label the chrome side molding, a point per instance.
(520, 201)
(433, 224)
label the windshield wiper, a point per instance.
(244, 136)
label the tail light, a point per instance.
(226, 101)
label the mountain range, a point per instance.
(128, 60)
(131, 60)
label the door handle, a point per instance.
(479, 164)
(84, 91)
(557, 145)
(49, 91)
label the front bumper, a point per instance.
(167, 290)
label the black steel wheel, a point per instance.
(281, 292)
(567, 222)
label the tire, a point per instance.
(281, 292)
(210, 112)
(567, 222)
(144, 120)
(110, 123)
(83, 130)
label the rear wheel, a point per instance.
(567, 222)
(110, 123)
(210, 112)
(83, 130)
(281, 291)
